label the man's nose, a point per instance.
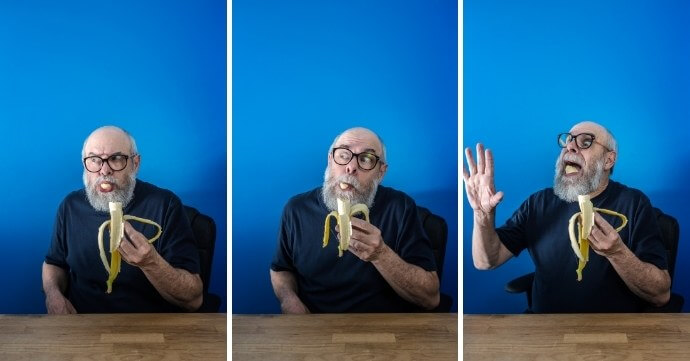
(572, 147)
(351, 167)
(105, 169)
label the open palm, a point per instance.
(479, 181)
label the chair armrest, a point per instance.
(520, 284)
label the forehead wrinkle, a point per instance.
(350, 140)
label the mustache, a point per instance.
(105, 178)
(346, 178)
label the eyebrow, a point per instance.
(367, 150)
(92, 154)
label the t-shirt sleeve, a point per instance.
(414, 245)
(512, 233)
(57, 253)
(177, 241)
(646, 236)
(282, 259)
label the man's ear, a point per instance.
(610, 160)
(382, 170)
(136, 161)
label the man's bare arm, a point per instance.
(55, 282)
(285, 288)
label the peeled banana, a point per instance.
(342, 216)
(117, 231)
(585, 221)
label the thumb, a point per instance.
(496, 199)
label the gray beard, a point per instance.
(586, 183)
(99, 200)
(330, 191)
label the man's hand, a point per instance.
(366, 241)
(603, 238)
(479, 182)
(57, 304)
(135, 248)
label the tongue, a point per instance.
(569, 169)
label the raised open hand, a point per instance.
(479, 182)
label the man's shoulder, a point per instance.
(146, 190)
(392, 195)
(302, 199)
(77, 196)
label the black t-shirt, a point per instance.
(541, 226)
(74, 247)
(327, 283)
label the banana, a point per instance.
(342, 216)
(585, 221)
(117, 231)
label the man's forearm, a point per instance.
(54, 279)
(643, 279)
(487, 250)
(285, 289)
(177, 286)
(411, 282)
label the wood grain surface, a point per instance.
(174, 337)
(419, 336)
(651, 336)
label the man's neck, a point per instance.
(601, 189)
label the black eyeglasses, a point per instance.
(582, 140)
(116, 162)
(365, 161)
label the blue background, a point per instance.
(304, 71)
(532, 69)
(68, 67)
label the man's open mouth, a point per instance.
(572, 168)
(345, 186)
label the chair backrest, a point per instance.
(436, 229)
(204, 229)
(670, 235)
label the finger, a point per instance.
(480, 158)
(360, 225)
(496, 199)
(465, 175)
(128, 239)
(489, 167)
(470, 162)
(600, 222)
(135, 236)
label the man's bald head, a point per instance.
(362, 134)
(601, 133)
(111, 136)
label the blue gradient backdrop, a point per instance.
(534, 68)
(303, 71)
(156, 68)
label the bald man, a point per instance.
(627, 270)
(158, 277)
(389, 266)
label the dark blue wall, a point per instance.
(532, 69)
(156, 68)
(303, 71)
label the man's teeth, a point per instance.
(569, 169)
(343, 186)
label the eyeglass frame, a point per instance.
(107, 160)
(356, 155)
(574, 138)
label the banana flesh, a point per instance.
(342, 216)
(584, 220)
(117, 231)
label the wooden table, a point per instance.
(193, 336)
(421, 336)
(577, 337)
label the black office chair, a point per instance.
(204, 229)
(436, 229)
(670, 235)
